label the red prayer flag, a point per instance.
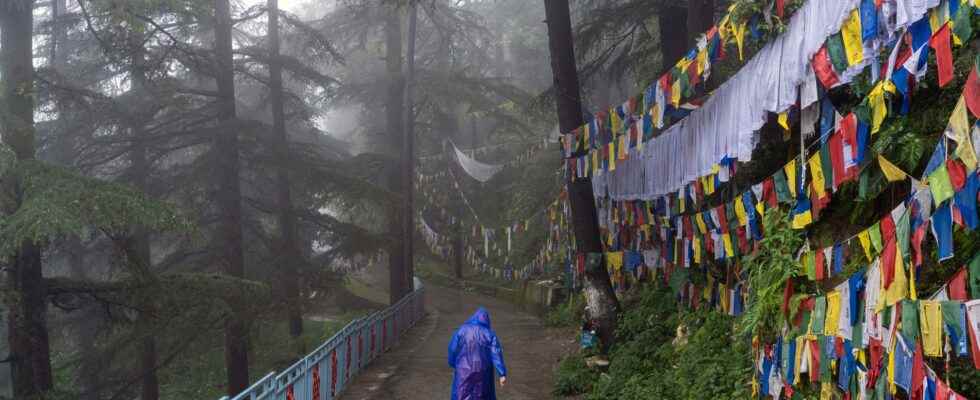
(787, 295)
(805, 305)
(769, 192)
(974, 346)
(824, 69)
(917, 237)
(780, 6)
(848, 128)
(940, 42)
(918, 373)
(888, 255)
(692, 74)
(972, 93)
(814, 361)
(957, 173)
(819, 264)
(837, 158)
(956, 288)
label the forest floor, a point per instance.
(416, 368)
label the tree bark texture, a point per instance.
(700, 17)
(394, 110)
(289, 254)
(229, 197)
(141, 252)
(602, 307)
(30, 358)
(408, 153)
(672, 22)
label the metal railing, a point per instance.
(326, 372)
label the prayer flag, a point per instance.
(944, 54)
(823, 68)
(851, 35)
(891, 172)
(940, 185)
(837, 52)
(816, 172)
(971, 93)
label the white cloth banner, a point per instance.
(475, 169)
(728, 122)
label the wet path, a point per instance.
(416, 368)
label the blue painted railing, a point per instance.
(326, 372)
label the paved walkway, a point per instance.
(416, 368)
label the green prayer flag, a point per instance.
(951, 316)
(835, 49)
(974, 275)
(782, 188)
(864, 183)
(825, 371)
(962, 27)
(902, 232)
(875, 234)
(940, 185)
(809, 266)
(819, 314)
(827, 166)
(910, 320)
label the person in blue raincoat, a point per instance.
(475, 353)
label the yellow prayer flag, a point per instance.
(723, 28)
(816, 172)
(743, 218)
(851, 32)
(790, 170)
(612, 156)
(740, 39)
(892, 172)
(931, 325)
(697, 250)
(865, 238)
(675, 93)
(702, 227)
(801, 220)
(614, 120)
(623, 149)
(702, 60)
(891, 367)
(729, 249)
(876, 99)
(959, 127)
(833, 314)
(826, 391)
(900, 285)
(760, 207)
(783, 120)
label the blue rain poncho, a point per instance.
(474, 353)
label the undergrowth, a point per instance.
(650, 361)
(568, 313)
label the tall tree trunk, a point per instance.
(27, 320)
(672, 22)
(700, 17)
(408, 153)
(602, 307)
(289, 255)
(394, 110)
(141, 251)
(229, 197)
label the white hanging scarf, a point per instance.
(475, 169)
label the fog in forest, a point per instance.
(211, 188)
